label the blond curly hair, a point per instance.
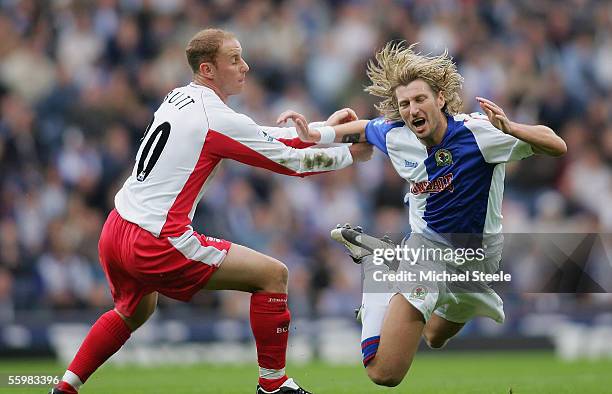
(397, 65)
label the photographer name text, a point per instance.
(440, 276)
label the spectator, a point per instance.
(78, 83)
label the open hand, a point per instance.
(496, 115)
(301, 126)
(343, 115)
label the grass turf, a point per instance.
(440, 372)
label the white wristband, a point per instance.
(328, 135)
(316, 125)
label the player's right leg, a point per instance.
(398, 341)
(133, 306)
(266, 278)
(448, 319)
(105, 338)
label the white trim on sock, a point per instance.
(266, 373)
(72, 379)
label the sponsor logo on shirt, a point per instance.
(266, 136)
(410, 164)
(444, 182)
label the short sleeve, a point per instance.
(376, 132)
(495, 145)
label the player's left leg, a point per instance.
(399, 340)
(438, 331)
(266, 278)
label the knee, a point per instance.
(277, 277)
(134, 322)
(435, 341)
(148, 312)
(384, 377)
(141, 315)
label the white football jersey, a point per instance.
(191, 132)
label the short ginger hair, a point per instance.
(204, 46)
(398, 65)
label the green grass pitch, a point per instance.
(439, 372)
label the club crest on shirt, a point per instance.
(443, 157)
(419, 292)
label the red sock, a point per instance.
(270, 319)
(104, 339)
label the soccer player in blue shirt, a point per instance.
(454, 164)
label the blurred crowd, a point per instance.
(79, 81)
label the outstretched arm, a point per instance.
(359, 151)
(290, 136)
(352, 131)
(335, 129)
(541, 138)
(236, 136)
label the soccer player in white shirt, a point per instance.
(454, 164)
(148, 246)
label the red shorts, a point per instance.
(137, 263)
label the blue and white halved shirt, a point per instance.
(456, 187)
